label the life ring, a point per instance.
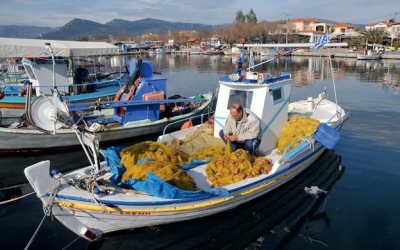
(234, 77)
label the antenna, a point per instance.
(287, 28)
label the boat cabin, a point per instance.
(40, 72)
(147, 103)
(267, 97)
(149, 87)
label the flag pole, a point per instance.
(333, 77)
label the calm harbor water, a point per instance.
(361, 210)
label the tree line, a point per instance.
(245, 27)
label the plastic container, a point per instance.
(326, 135)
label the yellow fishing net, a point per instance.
(236, 166)
(154, 150)
(295, 128)
(164, 162)
(165, 170)
(225, 167)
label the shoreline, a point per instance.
(334, 52)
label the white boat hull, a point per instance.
(14, 140)
(140, 211)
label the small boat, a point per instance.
(369, 56)
(141, 107)
(108, 196)
(74, 84)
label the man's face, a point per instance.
(236, 115)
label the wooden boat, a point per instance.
(146, 112)
(74, 85)
(100, 206)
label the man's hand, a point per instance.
(232, 137)
(226, 136)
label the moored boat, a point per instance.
(73, 81)
(105, 203)
(141, 107)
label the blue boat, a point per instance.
(140, 107)
(74, 82)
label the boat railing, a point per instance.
(208, 113)
(118, 104)
(115, 82)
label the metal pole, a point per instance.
(287, 30)
(48, 46)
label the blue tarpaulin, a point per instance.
(154, 185)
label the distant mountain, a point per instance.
(150, 25)
(80, 29)
(21, 31)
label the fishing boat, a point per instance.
(289, 211)
(141, 107)
(73, 81)
(94, 200)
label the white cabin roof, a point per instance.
(16, 47)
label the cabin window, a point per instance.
(277, 95)
(30, 72)
(242, 97)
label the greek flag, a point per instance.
(322, 41)
(251, 60)
(242, 55)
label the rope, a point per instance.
(34, 235)
(71, 242)
(14, 199)
(47, 209)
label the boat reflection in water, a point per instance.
(287, 211)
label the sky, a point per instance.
(56, 13)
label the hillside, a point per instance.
(20, 31)
(80, 29)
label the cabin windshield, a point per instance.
(29, 71)
(240, 96)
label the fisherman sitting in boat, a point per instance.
(242, 129)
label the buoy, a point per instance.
(186, 125)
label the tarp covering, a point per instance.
(153, 185)
(16, 47)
